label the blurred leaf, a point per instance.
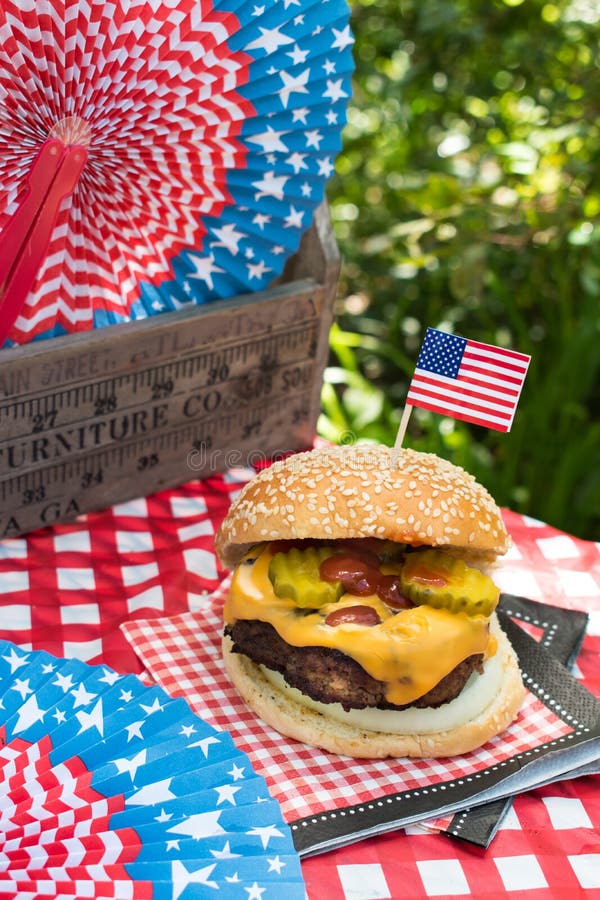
(467, 197)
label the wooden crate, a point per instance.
(97, 418)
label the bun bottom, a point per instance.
(286, 715)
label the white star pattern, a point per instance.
(269, 141)
(297, 161)
(217, 801)
(15, 661)
(293, 83)
(225, 853)
(130, 766)
(188, 730)
(313, 139)
(94, 719)
(199, 825)
(227, 237)
(257, 270)
(275, 865)
(134, 730)
(261, 220)
(22, 687)
(210, 141)
(335, 90)
(270, 186)
(265, 833)
(441, 353)
(298, 56)
(163, 816)
(155, 707)
(270, 40)
(159, 792)
(343, 38)
(82, 696)
(205, 268)
(182, 877)
(325, 166)
(205, 743)
(236, 772)
(64, 682)
(29, 714)
(294, 218)
(278, 68)
(226, 793)
(301, 115)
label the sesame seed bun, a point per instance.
(364, 490)
(482, 711)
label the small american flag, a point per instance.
(468, 380)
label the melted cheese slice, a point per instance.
(411, 650)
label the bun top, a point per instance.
(364, 490)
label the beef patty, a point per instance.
(330, 676)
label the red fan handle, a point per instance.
(25, 239)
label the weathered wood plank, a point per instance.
(96, 418)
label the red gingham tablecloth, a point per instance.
(67, 589)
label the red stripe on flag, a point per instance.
(481, 371)
(515, 354)
(460, 390)
(464, 417)
(458, 400)
(494, 361)
(486, 385)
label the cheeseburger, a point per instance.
(360, 617)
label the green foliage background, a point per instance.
(467, 198)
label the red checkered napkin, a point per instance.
(183, 654)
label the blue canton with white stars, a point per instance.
(441, 353)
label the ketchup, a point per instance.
(361, 576)
(353, 615)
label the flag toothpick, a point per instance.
(464, 379)
(402, 427)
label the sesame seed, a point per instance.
(333, 488)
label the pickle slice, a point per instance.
(439, 579)
(295, 575)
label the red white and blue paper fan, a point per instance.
(155, 153)
(110, 788)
